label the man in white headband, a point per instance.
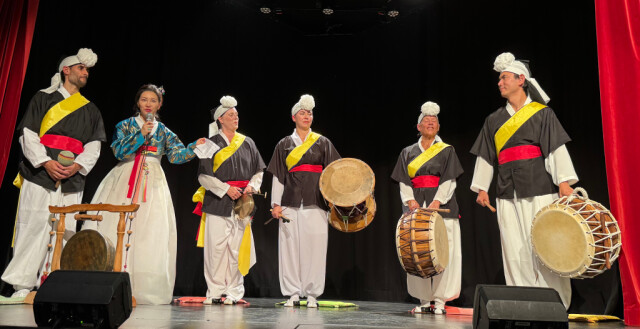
(427, 173)
(230, 167)
(525, 140)
(60, 137)
(296, 165)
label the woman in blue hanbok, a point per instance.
(151, 259)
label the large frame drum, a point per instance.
(88, 250)
(576, 237)
(422, 243)
(347, 185)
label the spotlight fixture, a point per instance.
(265, 10)
(393, 13)
(327, 11)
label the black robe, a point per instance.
(242, 165)
(444, 165)
(84, 124)
(302, 186)
(528, 177)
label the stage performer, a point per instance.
(296, 165)
(427, 173)
(525, 140)
(151, 258)
(230, 166)
(57, 119)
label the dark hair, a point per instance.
(525, 85)
(148, 87)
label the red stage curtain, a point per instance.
(17, 21)
(618, 35)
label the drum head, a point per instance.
(441, 244)
(560, 241)
(356, 223)
(347, 182)
(88, 250)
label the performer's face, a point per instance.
(303, 119)
(509, 83)
(230, 120)
(77, 75)
(148, 103)
(429, 126)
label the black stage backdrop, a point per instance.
(368, 88)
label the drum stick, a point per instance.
(488, 205)
(439, 210)
(284, 219)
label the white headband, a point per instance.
(226, 103)
(429, 109)
(85, 56)
(506, 62)
(306, 102)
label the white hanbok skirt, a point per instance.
(151, 259)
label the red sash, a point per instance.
(136, 169)
(425, 181)
(234, 183)
(62, 143)
(519, 153)
(307, 167)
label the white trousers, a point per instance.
(521, 268)
(446, 285)
(302, 251)
(222, 239)
(30, 256)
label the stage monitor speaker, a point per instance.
(79, 298)
(518, 307)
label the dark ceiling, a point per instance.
(334, 17)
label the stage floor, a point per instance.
(263, 314)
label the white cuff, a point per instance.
(445, 191)
(214, 185)
(276, 192)
(88, 158)
(256, 181)
(406, 193)
(558, 164)
(482, 175)
(32, 149)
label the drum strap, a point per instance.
(514, 123)
(519, 153)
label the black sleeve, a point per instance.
(484, 146)
(552, 135)
(399, 173)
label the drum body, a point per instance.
(575, 237)
(88, 250)
(347, 185)
(422, 243)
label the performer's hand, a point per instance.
(55, 170)
(565, 189)
(146, 128)
(72, 169)
(435, 204)
(234, 193)
(248, 190)
(200, 141)
(276, 212)
(483, 198)
(413, 205)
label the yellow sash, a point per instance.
(53, 116)
(514, 123)
(244, 258)
(296, 154)
(61, 110)
(425, 156)
(228, 151)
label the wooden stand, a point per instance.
(63, 211)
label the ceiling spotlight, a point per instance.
(393, 13)
(327, 11)
(265, 10)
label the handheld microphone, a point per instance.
(149, 119)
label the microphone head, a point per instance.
(149, 117)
